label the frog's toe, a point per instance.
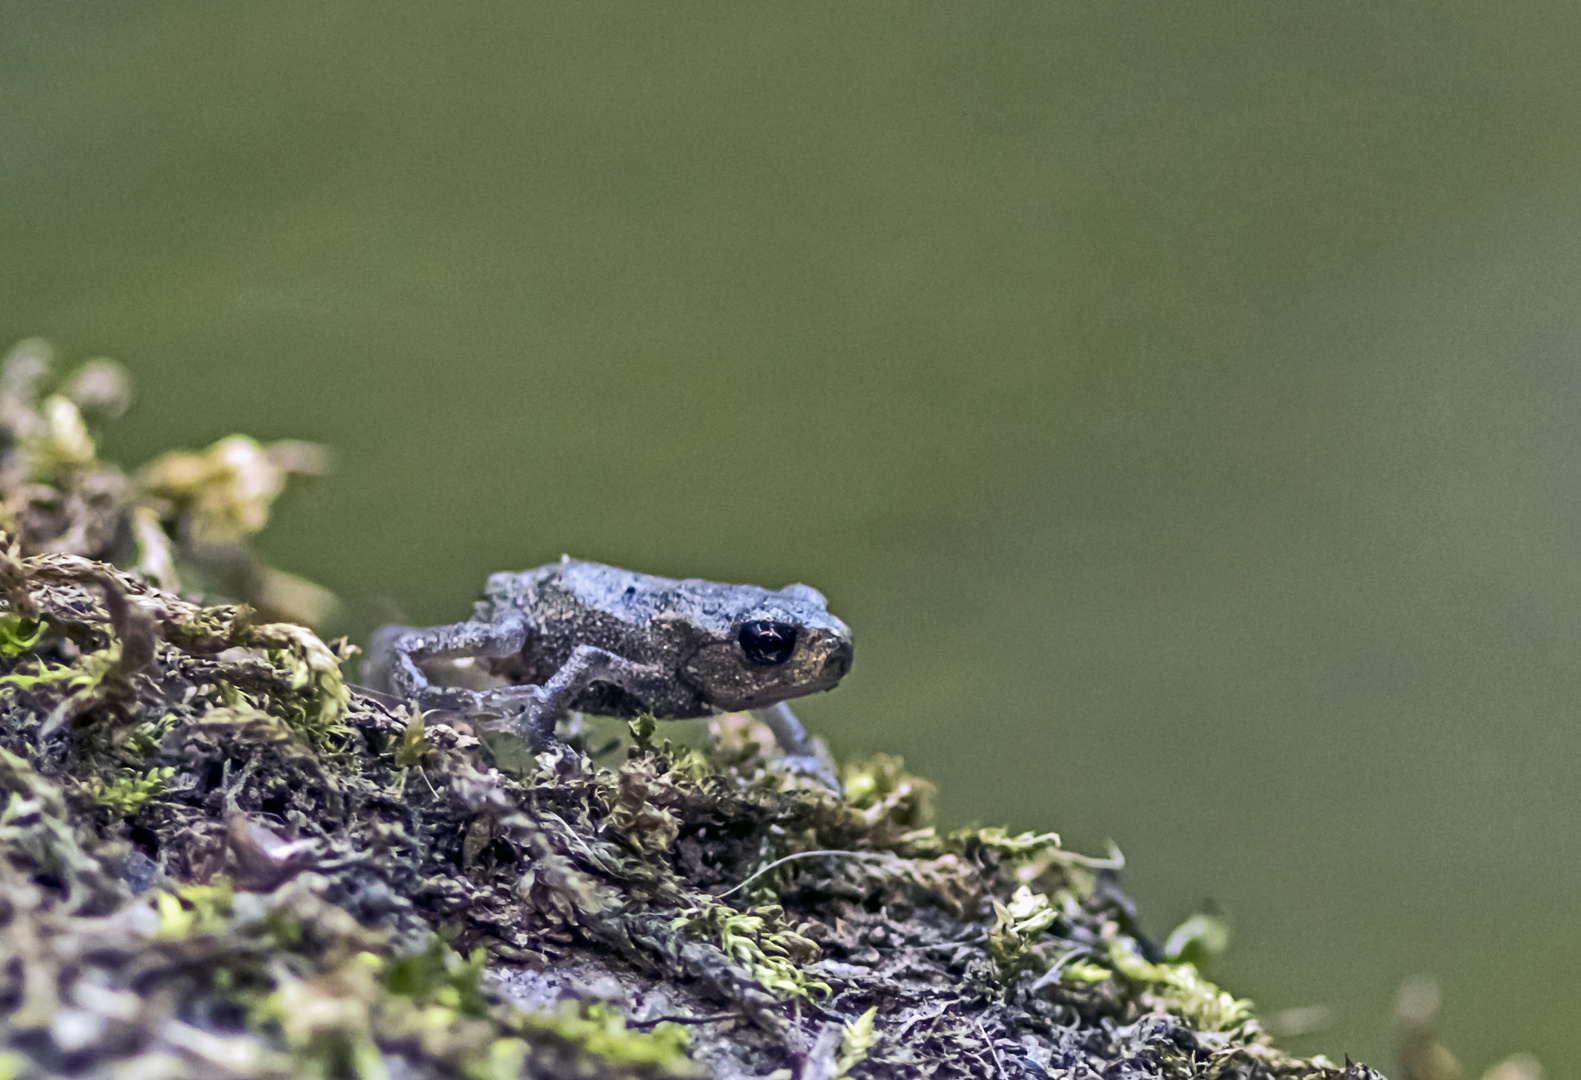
(561, 759)
(508, 700)
(811, 767)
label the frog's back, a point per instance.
(572, 590)
(570, 604)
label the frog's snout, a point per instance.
(838, 662)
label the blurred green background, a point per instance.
(1179, 400)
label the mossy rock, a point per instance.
(217, 859)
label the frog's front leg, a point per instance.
(803, 753)
(588, 664)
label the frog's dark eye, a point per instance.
(767, 643)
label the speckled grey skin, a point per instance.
(591, 638)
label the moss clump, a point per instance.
(218, 859)
(130, 790)
(600, 1032)
(775, 955)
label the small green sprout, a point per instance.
(1200, 940)
(414, 744)
(1017, 926)
(60, 443)
(225, 492)
(856, 1040)
(642, 729)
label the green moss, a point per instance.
(684, 762)
(18, 634)
(556, 877)
(326, 1020)
(1080, 972)
(42, 675)
(771, 952)
(142, 741)
(1179, 988)
(1018, 925)
(882, 796)
(600, 1031)
(440, 976)
(131, 790)
(194, 909)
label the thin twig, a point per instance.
(1115, 860)
(799, 855)
(992, 1049)
(713, 1018)
(1053, 973)
(424, 774)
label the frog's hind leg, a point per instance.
(397, 653)
(788, 731)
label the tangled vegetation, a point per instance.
(217, 859)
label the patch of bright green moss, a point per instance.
(774, 956)
(131, 790)
(18, 634)
(600, 1031)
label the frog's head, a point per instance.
(775, 645)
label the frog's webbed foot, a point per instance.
(521, 710)
(804, 755)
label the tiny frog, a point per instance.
(579, 636)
